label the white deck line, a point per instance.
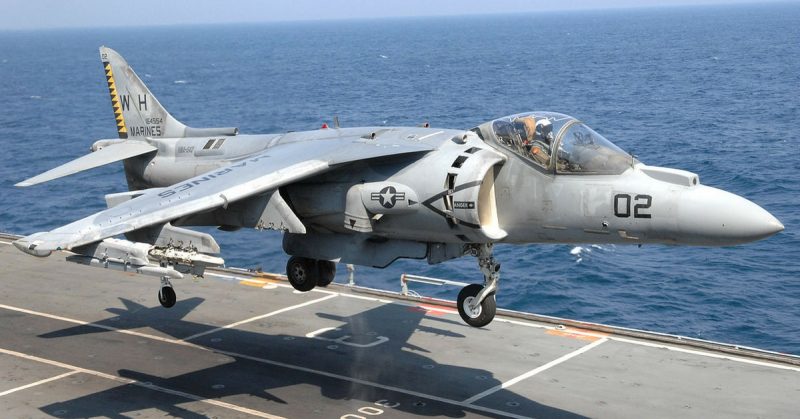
(263, 316)
(708, 354)
(535, 371)
(700, 352)
(149, 386)
(242, 356)
(46, 380)
(99, 326)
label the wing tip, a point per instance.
(31, 247)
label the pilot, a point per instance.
(526, 128)
(541, 144)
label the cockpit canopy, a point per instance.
(578, 149)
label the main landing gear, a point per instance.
(305, 274)
(476, 303)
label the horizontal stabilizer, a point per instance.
(110, 154)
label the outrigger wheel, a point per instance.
(166, 295)
(304, 273)
(476, 303)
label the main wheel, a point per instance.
(327, 271)
(481, 315)
(167, 297)
(303, 273)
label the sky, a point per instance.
(48, 14)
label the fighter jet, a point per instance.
(371, 195)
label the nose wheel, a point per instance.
(476, 303)
(473, 313)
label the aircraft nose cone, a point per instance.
(710, 216)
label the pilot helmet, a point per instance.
(544, 130)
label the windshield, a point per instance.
(582, 150)
(530, 135)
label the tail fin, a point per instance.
(137, 111)
(139, 115)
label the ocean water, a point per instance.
(712, 90)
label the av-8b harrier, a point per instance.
(371, 195)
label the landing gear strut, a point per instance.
(476, 303)
(166, 295)
(305, 274)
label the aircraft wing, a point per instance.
(276, 166)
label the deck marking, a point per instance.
(598, 335)
(519, 323)
(700, 352)
(263, 316)
(241, 356)
(275, 282)
(708, 354)
(46, 380)
(432, 310)
(535, 371)
(344, 338)
(516, 322)
(149, 386)
(279, 283)
(534, 325)
(569, 332)
(83, 323)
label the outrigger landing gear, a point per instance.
(305, 274)
(476, 303)
(166, 295)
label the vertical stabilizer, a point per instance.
(138, 113)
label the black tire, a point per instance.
(303, 273)
(484, 314)
(167, 297)
(327, 271)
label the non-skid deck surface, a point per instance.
(82, 342)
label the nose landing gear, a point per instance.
(476, 303)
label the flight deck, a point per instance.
(79, 341)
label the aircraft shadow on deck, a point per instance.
(394, 363)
